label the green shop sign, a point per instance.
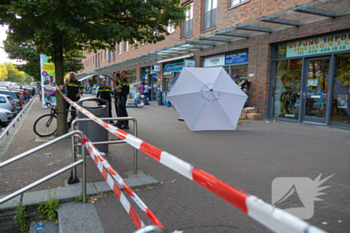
(321, 45)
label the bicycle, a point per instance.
(46, 125)
(139, 100)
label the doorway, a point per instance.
(315, 92)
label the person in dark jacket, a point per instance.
(105, 92)
(74, 89)
(116, 80)
(123, 90)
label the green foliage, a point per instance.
(48, 209)
(14, 75)
(51, 208)
(21, 217)
(80, 197)
(55, 27)
(42, 209)
(3, 72)
(25, 51)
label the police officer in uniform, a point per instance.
(117, 82)
(123, 91)
(105, 92)
(74, 89)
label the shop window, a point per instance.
(239, 73)
(187, 25)
(209, 16)
(286, 88)
(236, 2)
(340, 112)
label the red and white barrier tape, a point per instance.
(275, 219)
(108, 172)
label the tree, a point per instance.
(28, 78)
(26, 51)
(3, 72)
(14, 75)
(55, 26)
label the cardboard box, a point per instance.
(243, 116)
(254, 116)
(250, 110)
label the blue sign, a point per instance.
(145, 71)
(236, 58)
(174, 67)
(143, 77)
(154, 76)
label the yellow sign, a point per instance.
(49, 67)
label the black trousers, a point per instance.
(123, 112)
(110, 107)
(72, 113)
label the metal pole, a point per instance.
(135, 150)
(84, 173)
(73, 155)
(38, 182)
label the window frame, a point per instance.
(204, 11)
(126, 46)
(242, 2)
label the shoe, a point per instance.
(124, 127)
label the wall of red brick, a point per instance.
(259, 47)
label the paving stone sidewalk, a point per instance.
(249, 158)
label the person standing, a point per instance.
(123, 90)
(141, 88)
(74, 89)
(105, 93)
(147, 88)
(116, 80)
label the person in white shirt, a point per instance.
(147, 89)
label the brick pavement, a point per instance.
(249, 158)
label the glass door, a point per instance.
(315, 91)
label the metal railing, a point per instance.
(56, 173)
(209, 19)
(114, 141)
(187, 28)
(13, 122)
(151, 229)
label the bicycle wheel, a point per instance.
(139, 102)
(45, 125)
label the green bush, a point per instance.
(48, 209)
(21, 217)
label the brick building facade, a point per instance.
(244, 29)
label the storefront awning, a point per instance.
(87, 77)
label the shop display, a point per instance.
(341, 90)
(287, 88)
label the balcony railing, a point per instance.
(209, 19)
(187, 28)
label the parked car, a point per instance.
(7, 103)
(16, 97)
(5, 117)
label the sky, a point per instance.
(3, 54)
